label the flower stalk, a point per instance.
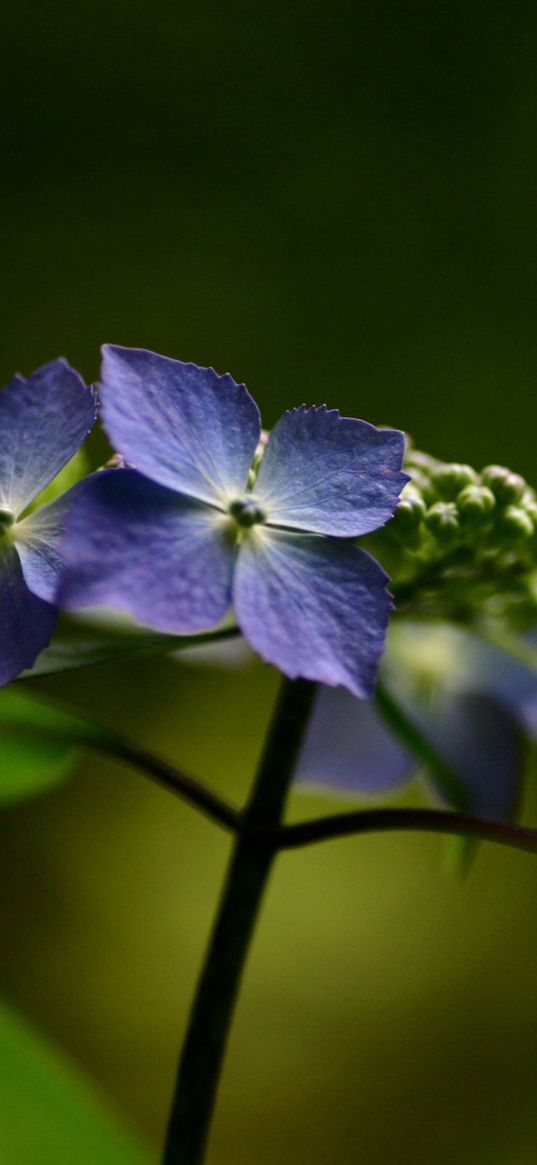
(255, 849)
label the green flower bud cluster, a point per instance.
(463, 543)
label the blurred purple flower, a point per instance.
(43, 421)
(188, 532)
(471, 702)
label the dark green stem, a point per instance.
(421, 820)
(205, 1043)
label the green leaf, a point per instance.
(460, 855)
(50, 1113)
(30, 767)
(37, 745)
(70, 651)
(410, 734)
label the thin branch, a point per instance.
(171, 778)
(425, 820)
(91, 738)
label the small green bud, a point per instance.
(475, 504)
(508, 487)
(512, 489)
(411, 509)
(7, 519)
(443, 521)
(422, 483)
(530, 508)
(515, 524)
(406, 522)
(450, 478)
(491, 475)
(423, 461)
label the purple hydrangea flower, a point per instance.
(194, 529)
(471, 702)
(43, 421)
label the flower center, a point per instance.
(246, 512)
(7, 519)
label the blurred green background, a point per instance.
(335, 203)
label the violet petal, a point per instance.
(313, 607)
(183, 426)
(134, 546)
(330, 474)
(26, 622)
(43, 421)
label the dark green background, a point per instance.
(332, 203)
(335, 203)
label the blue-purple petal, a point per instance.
(330, 474)
(466, 663)
(43, 421)
(510, 681)
(349, 748)
(26, 622)
(182, 426)
(134, 546)
(38, 538)
(481, 742)
(313, 607)
(484, 745)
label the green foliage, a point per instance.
(30, 766)
(30, 763)
(38, 745)
(50, 1113)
